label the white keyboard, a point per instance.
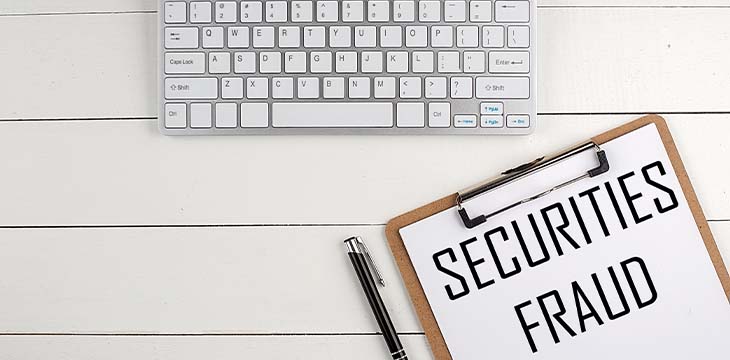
(364, 67)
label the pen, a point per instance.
(358, 251)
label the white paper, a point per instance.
(689, 318)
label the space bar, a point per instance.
(332, 115)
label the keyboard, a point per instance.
(347, 67)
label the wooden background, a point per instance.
(119, 243)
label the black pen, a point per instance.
(358, 251)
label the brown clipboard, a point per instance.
(408, 273)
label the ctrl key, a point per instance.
(176, 116)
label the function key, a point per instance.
(492, 121)
(518, 121)
(465, 121)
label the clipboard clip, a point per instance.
(523, 171)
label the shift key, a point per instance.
(191, 88)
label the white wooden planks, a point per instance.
(124, 172)
(233, 280)
(351, 347)
(591, 60)
(250, 280)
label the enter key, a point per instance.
(509, 62)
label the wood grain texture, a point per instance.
(124, 172)
(361, 347)
(241, 280)
(591, 60)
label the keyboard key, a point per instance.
(308, 88)
(219, 63)
(435, 88)
(372, 62)
(492, 121)
(254, 115)
(181, 38)
(282, 88)
(493, 36)
(263, 37)
(512, 11)
(397, 61)
(378, 11)
(333, 88)
(269, 62)
(391, 36)
(503, 87)
(359, 87)
(336, 115)
(462, 87)
(226, 115)
(480, 11)
(448, 62)
(465, 121)
(176, 116)
(442, 36)
(491, 108)
(518, 121)
(346, 62)
(321, 62)
(232, 88)
(175, 12)
(213, 37)
(327, 11)
(251, 11)
(467, 36)
(191, 88)
(201, 115)
(366, 36)
(410, 87)
(352, 11)
(201, 12)
(276, 11)
(314, 36)
(474, 62)
(422, 62)
(518, 36)
(340, 36)
(244, 63)
(384, 87)
(416, 36)
(185, 63)
(295, 62)
(289, 37)
(439, 115)
(509, 62)
(225, 12)
(257, 88)
(454, 11)
(429, 11)
(404, 11)
(238, 37)
(410, 115)
(301, 11)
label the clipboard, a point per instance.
(472, 218)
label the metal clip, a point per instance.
(523, 171)
(357, 245)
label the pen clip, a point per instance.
(364, 249)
